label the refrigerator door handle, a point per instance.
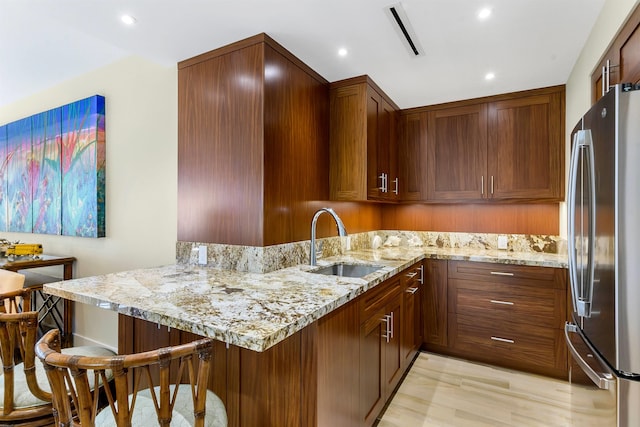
(571, 221)
(582, 293)
(604, 380)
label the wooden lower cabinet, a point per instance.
(434, 305)
(338, 371)
(412, 317)
(381, 361)
(337, 349)
(506, 315)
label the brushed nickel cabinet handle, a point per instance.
(503, 340)
(383, 179)
(495, 301)
(387, 331)
(412, 275)
(500, 273)
(411, 290)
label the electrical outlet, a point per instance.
(202, 254)
(502, 241)
(348, 243)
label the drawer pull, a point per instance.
(412, 290)
(495, 301)
(501, 273)
(412, 275)
(503, 340)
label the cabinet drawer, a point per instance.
(508, 303)
(376, 298)
(517, 345)
(413, 275)
(523, 275)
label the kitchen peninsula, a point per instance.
(290, 332)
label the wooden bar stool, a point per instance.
(25, 396)
(168, 385)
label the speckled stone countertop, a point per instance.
(257, 310)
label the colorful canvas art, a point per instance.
(46, 173)
(19, 176)
(83, 168)
(52, 175)
(3, 178)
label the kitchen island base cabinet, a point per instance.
(338, 371)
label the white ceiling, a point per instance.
(526, 43)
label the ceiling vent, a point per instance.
(404, 29)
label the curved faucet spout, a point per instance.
(342, 231)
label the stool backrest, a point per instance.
(18, 335)
(10, 281)
(157, 369)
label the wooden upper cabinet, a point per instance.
(362, 142)
(509, 147)
(250, 156)
(621, 63)
(412, 156)
(525, 147)
(457, 153)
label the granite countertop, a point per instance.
(257, 310)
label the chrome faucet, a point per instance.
(341, 230)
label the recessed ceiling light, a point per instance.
(484, 13)
(489, 76)
(342, 51)
(128, 19)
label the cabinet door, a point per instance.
(374, 110)
(372, 353)
(337, 344)
(381, 148)
(388, 150)
(630, 55)
(457, 153)
(348, 143)
(412, 157)
(526, 150)
(434, 303)
(362, 144)
(393, 360)
(412, 313)
(408, 326)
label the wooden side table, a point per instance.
(45, 304)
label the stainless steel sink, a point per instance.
(347, 270)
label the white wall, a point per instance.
(613, 16)
(141, 178)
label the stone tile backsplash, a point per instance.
(254, 259)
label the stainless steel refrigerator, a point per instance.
(603, 207)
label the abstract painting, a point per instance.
(19, 176)
(52, 174)
(46, 173)
(83, 168)
(3, 178)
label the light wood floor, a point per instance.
(441, 391)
